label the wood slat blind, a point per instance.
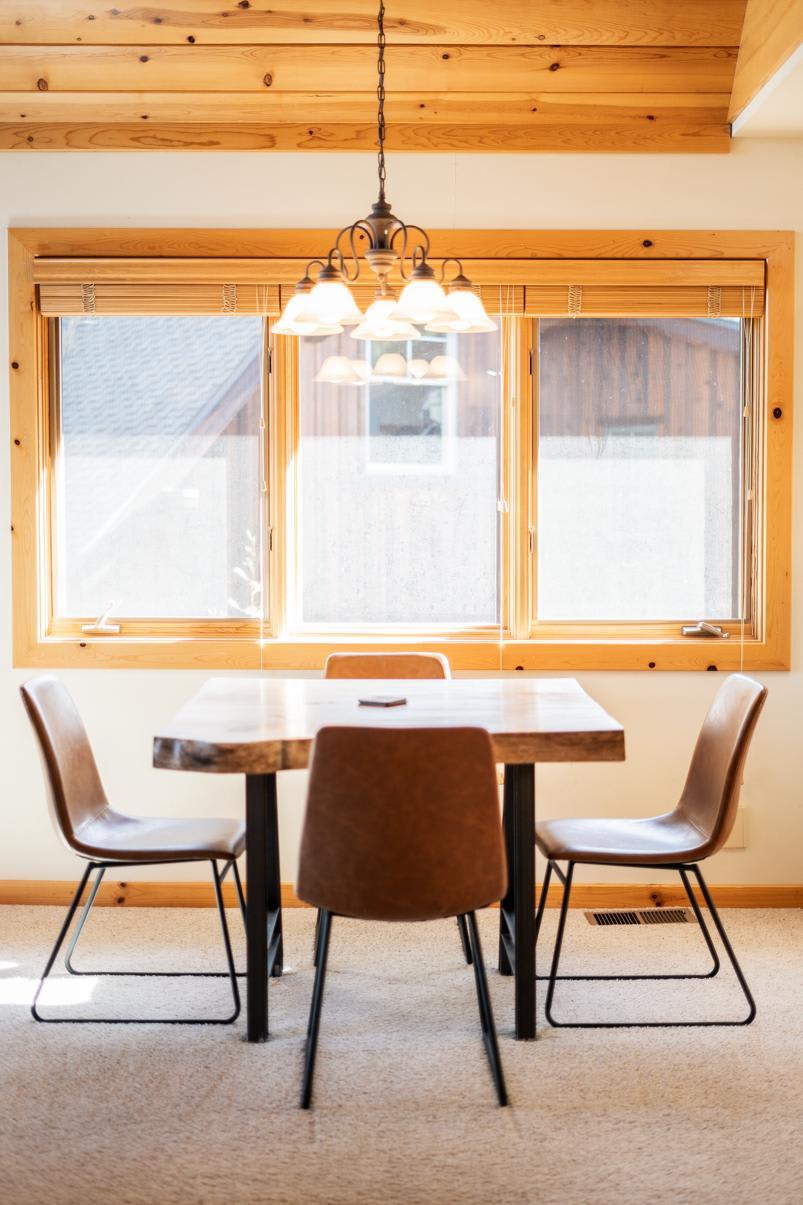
(577, 288)
(229, 297)
(601, 301)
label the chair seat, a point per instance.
(659, 839)
(112, 836)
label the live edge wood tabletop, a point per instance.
(259, 726)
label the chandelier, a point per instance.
(325, 305)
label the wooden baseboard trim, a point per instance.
(584, 895)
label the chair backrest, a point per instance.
(402, 824)
(711, 794)
(75, 792)
(386, 665)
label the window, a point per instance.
(157, 467)
(640, 482)
(398, 469)
(566, 493)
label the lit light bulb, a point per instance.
(289, 323)
(472, 314)
(422, 298)
(331, 302)
(467, 316)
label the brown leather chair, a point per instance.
(386, 665)
(106, 838)
(677, 840)
(398, 666)
(402, 825)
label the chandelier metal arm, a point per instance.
(389, 246)
(450, 260)
(418, 250)
(337, 251)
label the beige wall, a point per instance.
(759, 186)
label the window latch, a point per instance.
(101, 624)
(706, 630)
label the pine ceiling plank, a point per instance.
(447, 22)
(353, 68)
(709, 138)
(773, 30)
(436, 108)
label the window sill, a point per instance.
(465, 655)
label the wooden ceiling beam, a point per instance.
(447, 22)
(773, 30)
(353, 68)
(427, 108)
(684, 137)
(123, 270)
(288, 243)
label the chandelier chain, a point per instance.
(380, 96)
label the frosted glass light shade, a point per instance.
(420, 301)
(378, 324)
(391, 364)
(331, 304)
(468, 316)
(339, 370)
(418, 368)
(289, 323)
(445, 368)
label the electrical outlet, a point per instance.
(737, 838)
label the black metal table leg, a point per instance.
(260, 790)
(274, 893)
(517, 912)
(507, 906)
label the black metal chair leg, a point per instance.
(79, 891)
(709, 903)
(95, 973)
(230, 974)
(82, 919)
(224, 925)
(464, 939)
(486, 1009)
(316, 936)
(322, 955)
(553, 974)
(554, 977)
(710, 974)
(539, 912)
(703, 928)
(239, 885)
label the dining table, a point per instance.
(259, 726)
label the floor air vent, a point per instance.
(647, 916)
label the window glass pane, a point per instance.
(639, 476)
(158, 477)
(398, 482)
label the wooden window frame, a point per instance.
(234, 645)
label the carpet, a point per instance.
(404, 1109)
